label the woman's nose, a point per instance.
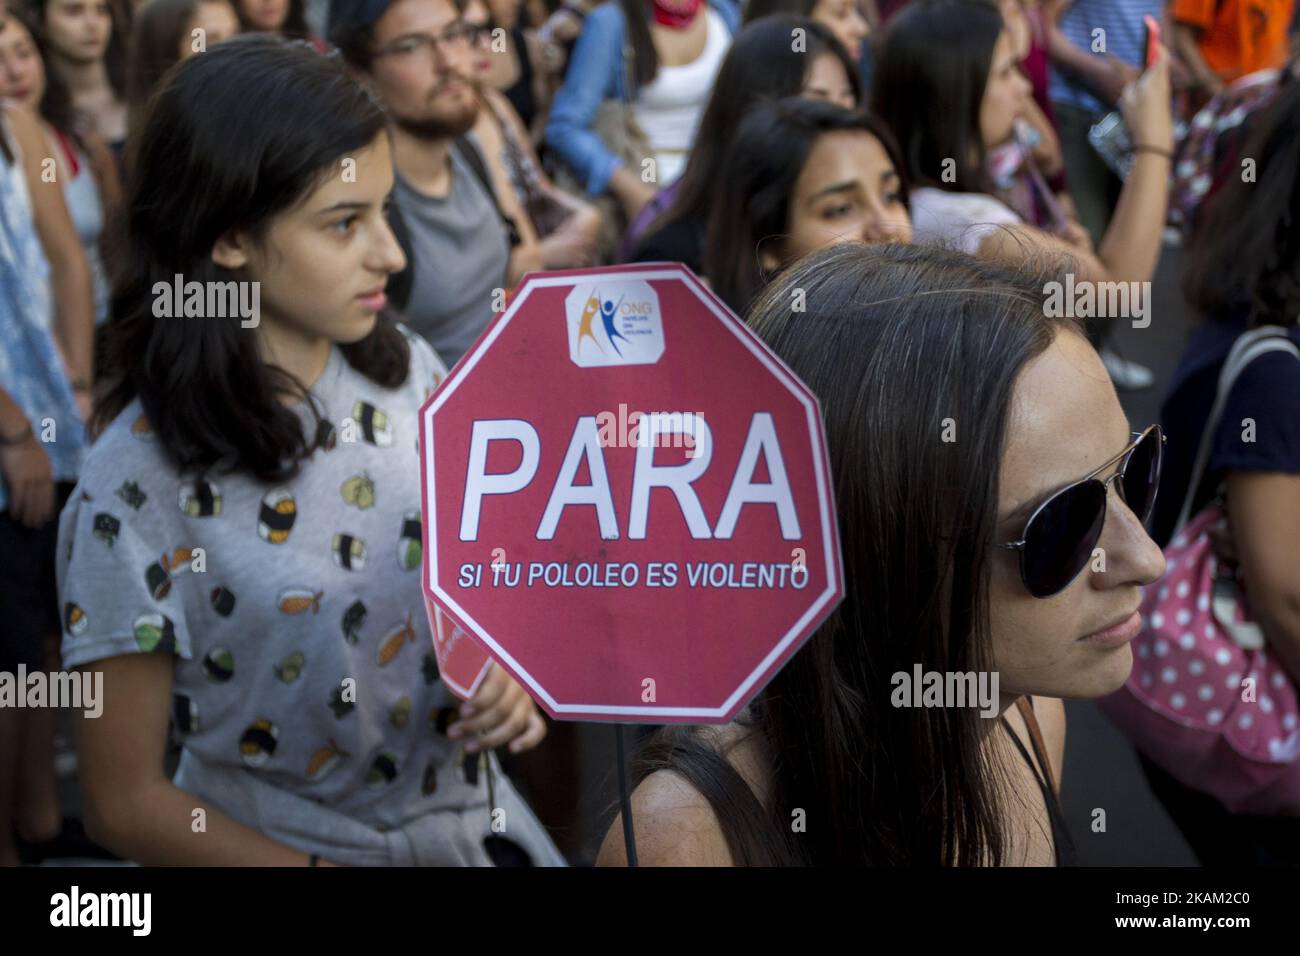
(1130, 556)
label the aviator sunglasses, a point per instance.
(1060, 535)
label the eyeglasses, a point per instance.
(1060, 535)
(457, 36)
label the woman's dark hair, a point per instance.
(1244, 256)
(762, 62)
(930, 74)
(751, 205)
(202, 165)
(757, 9)
(637, 14)
(56, 102)
(893, 339)
(155, 47)
(114, 56)
(295, 21)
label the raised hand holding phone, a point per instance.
(1146, 111)
(1146, 105)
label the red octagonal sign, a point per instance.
(627, 499)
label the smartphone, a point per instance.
(1152, 45)
(1110, 139)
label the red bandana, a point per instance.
(677, 14)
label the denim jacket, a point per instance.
(596, 74)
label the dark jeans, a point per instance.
(29, 598)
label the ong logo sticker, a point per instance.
(617, 322)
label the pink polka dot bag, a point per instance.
(1206, 700)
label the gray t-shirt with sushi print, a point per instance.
(294, 611)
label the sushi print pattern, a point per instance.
(293, 610)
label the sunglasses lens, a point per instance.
(1060, 538)
(1142, 475)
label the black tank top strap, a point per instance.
(1063, 844)
(1026, 707)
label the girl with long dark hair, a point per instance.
(84, 165)
(843, 18)
(564, 227)
(767, 59)
(84, 44)
(980, 458)
(948, 111)
(286, 18)
(800, 175)
(164, 33)
(243, 554)
(520, 67)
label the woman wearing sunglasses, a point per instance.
(991, 498)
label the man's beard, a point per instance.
(440, 127)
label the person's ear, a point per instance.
(231, 250)
(767, 258)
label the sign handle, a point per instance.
(624, 799)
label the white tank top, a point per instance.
(669, 109)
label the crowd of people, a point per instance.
(383, 172)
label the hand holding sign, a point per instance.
(500, 712)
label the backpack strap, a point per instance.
(478, 166)
(401, 284)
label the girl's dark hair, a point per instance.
(757, 9)
(114, 56)
(1244, 256)
(637, 14)
(892, 340)
(155, 48)
(751, 205)
(761, 63)
(930, 74)
(56, 102)
(295, 21)
(204, 164)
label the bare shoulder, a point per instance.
(674, 825)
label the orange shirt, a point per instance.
(1238, 36)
